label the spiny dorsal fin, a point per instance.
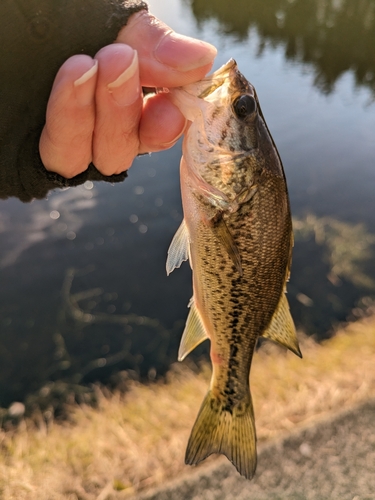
(230, 432)
(194, 332)
(178, 250)
(222, 232)
(281, 329)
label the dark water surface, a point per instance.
(84, 293)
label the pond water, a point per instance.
(84, 293)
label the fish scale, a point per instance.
(237, 234)
(245, 318)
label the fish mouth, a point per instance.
(224, 71)
(205, 87)
(220, 89)
(210, 83)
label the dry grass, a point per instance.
(138, 440)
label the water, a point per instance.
(84, 293)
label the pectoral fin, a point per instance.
(194, 333)
(222, 232)
(281, 329)
(178, 250)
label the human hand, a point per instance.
(96, 112)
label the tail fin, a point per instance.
(226, 430)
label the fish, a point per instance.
(237, 235)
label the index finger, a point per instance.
(166, 58)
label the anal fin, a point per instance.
(281, 328)
(194, 333)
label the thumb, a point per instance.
(166, 58)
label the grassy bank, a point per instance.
(137, 440)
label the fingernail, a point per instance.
(126, 89)
(184, 53)
(173, 141)
(84, 90)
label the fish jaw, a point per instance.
(184, 96)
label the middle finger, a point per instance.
(118, 109)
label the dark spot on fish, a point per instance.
(214, 406)
(229, 392)
(224, 134)
(238, 340)
(229, 406)
(216, 112)
(235, 313)
(233, 350)
(234, 364)
(234, 324)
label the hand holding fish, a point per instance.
(96, 111)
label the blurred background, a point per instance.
(84, 294)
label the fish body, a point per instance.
(237, 234)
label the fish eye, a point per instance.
(244, 106)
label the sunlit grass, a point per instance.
(138, 440)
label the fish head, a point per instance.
(222, 108)
(227, 127)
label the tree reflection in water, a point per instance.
(334, 36)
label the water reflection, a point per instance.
(62, 329)
(59, 217)
(333, 266)
(334, 36)
(349, 247)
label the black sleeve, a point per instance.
(36, 37)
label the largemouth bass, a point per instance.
(237, 235)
